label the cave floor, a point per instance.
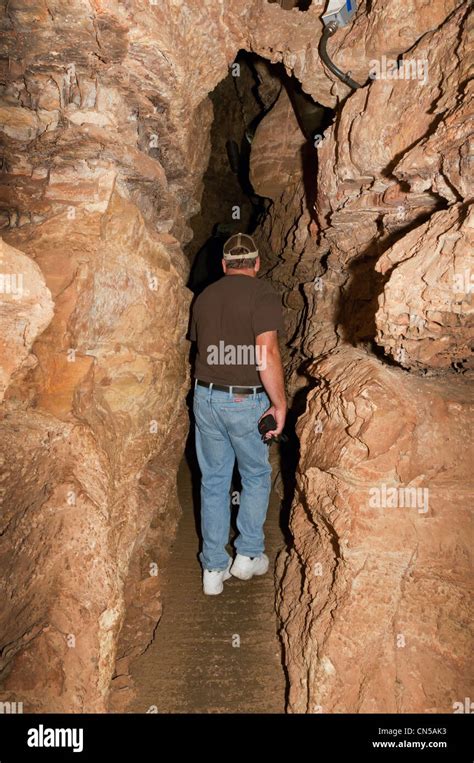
(194, 664)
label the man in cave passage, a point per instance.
(238, 379)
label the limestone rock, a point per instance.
(292, 37)
(361, 178)
(277, 141)
(373, 601)
(426, 317)
(91, 441)
(381, 554)
(26, 308)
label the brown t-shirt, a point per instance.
(226, 318)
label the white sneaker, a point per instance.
(213, 580)
(245, 568)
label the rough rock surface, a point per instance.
(426, 318)
(26, 308)
(373, 600)
(91, 439)
(374, 595)
(278, 140)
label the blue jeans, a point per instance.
(226, 429)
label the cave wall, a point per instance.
(376, 280)
(106, 123)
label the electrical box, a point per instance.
(340, 12)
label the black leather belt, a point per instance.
(236, 390)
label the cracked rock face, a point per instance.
(94, 203)
(91, 439)
(377, 286)
(425, 318)
(382, 554)
(270, 147)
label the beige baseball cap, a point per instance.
(235, 242)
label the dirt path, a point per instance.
(195, 663)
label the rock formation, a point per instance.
(93, 427)
(373, 592)
(373, 596)
(106, 122)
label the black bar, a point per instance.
(319, 738)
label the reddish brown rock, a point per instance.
(384, 29)
(89, 469)
(381, 544)
(275, 149)
(26, 308)
(91, 438)
(390, 249)
(426, 319)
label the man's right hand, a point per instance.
(279, 414)
(271, 374)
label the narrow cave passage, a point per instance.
(220, 654)
(212, 654)
(223, 654)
